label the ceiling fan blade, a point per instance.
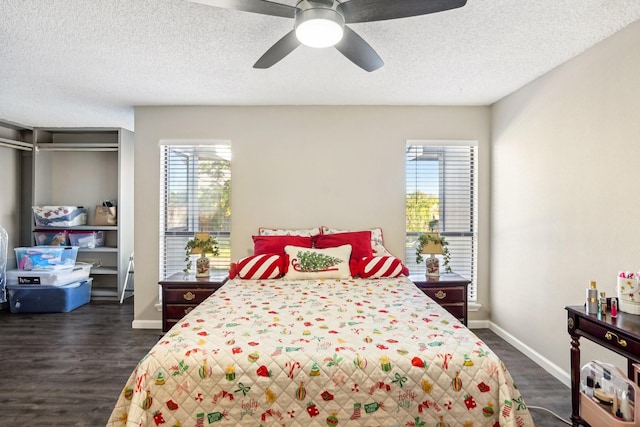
(263, 7)
(381, 10)
(359, 51)
(282, 48)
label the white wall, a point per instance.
(301, 167)
(565, 202)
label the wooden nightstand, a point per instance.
(449, 290)
(182, 294)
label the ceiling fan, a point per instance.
(321, 23)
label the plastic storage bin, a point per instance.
(49, 299)
(51, 238)
(86, 239)
(607, 396)
(59, 216)
(79, 272)
(46, 257)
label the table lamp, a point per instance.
(199, 237)
(202, 263)
(432, 247)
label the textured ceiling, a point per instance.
(89, 62)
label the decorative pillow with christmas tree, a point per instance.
(308, 263)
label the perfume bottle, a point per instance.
(602, 304)
(592, 298)
(614, 307)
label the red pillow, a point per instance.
(275, 244)
(360, 242)
(382, 266)
(259, 267)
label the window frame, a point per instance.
(191, 225)
(439, 147)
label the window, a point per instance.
(442, 195)
(195, 190)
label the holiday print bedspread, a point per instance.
(320, 353)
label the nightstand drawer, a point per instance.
(457, 310)
(448, 290)
(181, 294)
(446, 295)
(186, 296)
(178, 311)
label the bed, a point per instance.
(320, 352)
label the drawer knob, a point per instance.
(609, 335)
(188, 296)
(188, 310)
(441, 294)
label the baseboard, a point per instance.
(539, 359)
(478, 324)
(146, 324)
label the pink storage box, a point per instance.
(51, 237)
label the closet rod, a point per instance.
(77, 147)
(25, 146)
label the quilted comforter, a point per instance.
(362, 352)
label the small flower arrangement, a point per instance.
(206, 246)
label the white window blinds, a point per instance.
(442, 195)
(195, 195)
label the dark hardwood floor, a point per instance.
(539, 388)
(67, 369)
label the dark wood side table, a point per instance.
(181, 294)
(449, 290)
(620, 335)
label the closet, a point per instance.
(86, 167)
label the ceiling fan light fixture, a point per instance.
(319, 27)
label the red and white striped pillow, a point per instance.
(382, 266)
(258, 267)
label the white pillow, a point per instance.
(307, 232)
(308, 263)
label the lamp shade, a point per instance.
(431, 247)
(201, 237)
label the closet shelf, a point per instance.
(80, 227)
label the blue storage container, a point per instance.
(49, 299)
